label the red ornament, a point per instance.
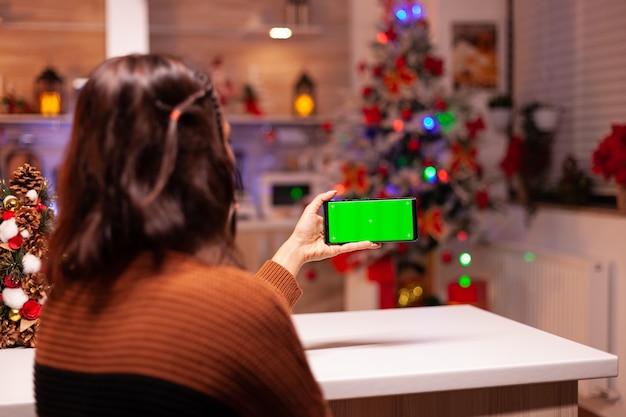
(413, 145)
(30, 310)
(367, 91)
(372, 114)
(15, 242)
(446, 257)
(9, 283)
(377, 71)
(406, 114)
(391, 34)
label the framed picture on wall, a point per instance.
(474, 55)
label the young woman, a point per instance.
(150, 312)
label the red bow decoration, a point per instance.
(463, 157)
(431, 222)
(474, 126)
(355, 179)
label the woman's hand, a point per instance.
(306, 243)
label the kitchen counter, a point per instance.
(447, 361)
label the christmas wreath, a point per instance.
(24, 230)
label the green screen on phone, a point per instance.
(376, 220)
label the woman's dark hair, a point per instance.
(147, 169)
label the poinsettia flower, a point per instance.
(609, 158)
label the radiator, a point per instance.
(566, 295)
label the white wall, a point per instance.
(126, 27)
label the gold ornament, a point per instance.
(11, 203)
(14, 315)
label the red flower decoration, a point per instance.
(30, 310)
(463, 156)
(431, 223)
(10, 283)
(609, 159)
(355, 179)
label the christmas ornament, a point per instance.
(24, 230)
(14, 315)
(11, 203)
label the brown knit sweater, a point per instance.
(190, 339)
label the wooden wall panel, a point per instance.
(72, 40)
(203, 30)
(34, 35)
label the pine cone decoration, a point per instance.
(35, 286)
(27, 218)
(27, 337)
(25, 178)
(37, 245)
(9, 334)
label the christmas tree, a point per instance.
(407, 137)
(24, 229)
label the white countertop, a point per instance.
(400, 351)
(397, 351)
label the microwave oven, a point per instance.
(285, 194)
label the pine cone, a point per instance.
(35, 286)
(27, 218)
(27, 337)
(9, 334)
(25, 178)
(37, 245)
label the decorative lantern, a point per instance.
(48, 91)
(304, 97)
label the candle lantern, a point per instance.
(48, 92)
(304, 96)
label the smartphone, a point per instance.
(376, 220)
